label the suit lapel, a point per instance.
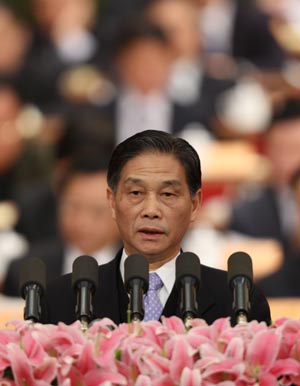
(54, 258)
(111, 297)
(205, 303)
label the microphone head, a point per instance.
(85, 268)
(188, 264)
(33, 271)
(136, 267)
(239, 264)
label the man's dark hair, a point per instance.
(154, 141)
(136, 28)
(87, 161)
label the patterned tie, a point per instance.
(153, 306)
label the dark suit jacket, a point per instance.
(252, 39)
(49, 251)
(202, 110)
(110, 299)
(258, 215)
(284, 282)
(37, 213)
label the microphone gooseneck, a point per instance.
(188, 278)
(32, 286)
(136, 270)
(240, 279)
(84, 283)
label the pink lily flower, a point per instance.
(25, 373)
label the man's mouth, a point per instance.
(151, 231)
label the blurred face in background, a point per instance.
(283, 150)
(179, 19)
(84, 217)
(11, 143)
(145, 65)
(57, 17)
(13, 42)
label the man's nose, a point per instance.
(151, 208)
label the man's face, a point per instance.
(84, 215)
(145, 66)
(153, 207)
(283, 146)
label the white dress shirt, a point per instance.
(166, 272)
(287, 210)
(185, 80)
(137, 112)
(102, 256)
(219, 14)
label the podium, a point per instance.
(10, 309)
(285, 307)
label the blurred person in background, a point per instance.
(284, 18)
(141, 56)
(15, 42)
(23, 160)
(244, 41)
(219, 98)
(37, 205)
(270, 211)
(284, 282)
(243, 35)
(191, 83)
(85, 225)
(66, 37)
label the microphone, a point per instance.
(32, 286)
(136, 270)
(240, 278)
(188, 276)
(84, 283)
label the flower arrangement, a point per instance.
(151, 354)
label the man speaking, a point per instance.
(154, 192)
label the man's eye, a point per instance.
(135, 192)
(168, 194)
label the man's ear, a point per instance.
(196, 201)
(111, 201)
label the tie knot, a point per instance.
(155, 281)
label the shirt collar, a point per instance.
(102, 256)
(166, 272)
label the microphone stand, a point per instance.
(84, 283)
(32, 309)
(84, 308)
(189, 303)
(136, 272)
(135, 311)
(241, 300)
(32, 285)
